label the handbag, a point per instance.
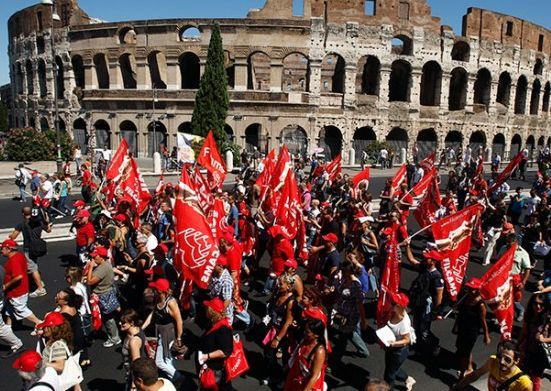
(236, 363)
(541, 249)
(178, 349)
(72, 372)
(546, 347)
(108, 302)
(207, 379)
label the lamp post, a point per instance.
(154, 141)
(55, 17)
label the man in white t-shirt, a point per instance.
(46, 188)
(418, 174)
(146, 376)
(22, 178)
(383, 156)
(35, 375)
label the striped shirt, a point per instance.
(222, 287)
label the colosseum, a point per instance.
(335, 74)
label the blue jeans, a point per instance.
(358, 341)
(22, 193)
(166, 364)
(243, 316)
(394, 358)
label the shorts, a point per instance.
(17, 307)
(32, 265)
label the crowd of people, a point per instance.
(126, 287)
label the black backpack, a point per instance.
(419, 290)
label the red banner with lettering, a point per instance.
(361, 177)
(134, 188)
(334, 167)
(210, 158)
(452, 235)
(399, 177)
(506, 173)
(390, 282)
(425, 214)
(118, 163)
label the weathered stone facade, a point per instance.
(342, 73)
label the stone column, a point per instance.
(241, 69)
(202, 65)
(528, 100)
(350, 85)
(173, 74)
(493, 94)
(445, 92)
(315, 81)
(36, 84)
(143, 79)
(115, 77)
(276, 75)
(470, 92)
(90, 76)
(23, 81)
(415, 90)
(384, 87)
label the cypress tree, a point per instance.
(212, 100)
(3, 117)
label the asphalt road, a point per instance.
(106, 373)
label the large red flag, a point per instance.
(268, 165)
(281, 169)
(428, 162)
(202, 188)
(217, 218)
(506, 173)
(334, 167)
(196, 251)
(390, 282)
(210, 158)
(420, 188)
(361, 176)
(425, 214)
(118, 163)
(399, 177)
(452, 235)
(289, 212)
(497, 291)
(134, 187)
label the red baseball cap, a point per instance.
(215, 304)
(46, 203)
(52, 319)
(400, 299)
(79, 204)
(8, 243)
(331, 237)
(291, 263)
(99, 251)
(83, 213)
(162, 285)
(474, 283)
(120, 217)
(28, 361)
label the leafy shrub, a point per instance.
(29, 145)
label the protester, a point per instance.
(146, 376)
(133, 346)
(22, 178)
(35, 374)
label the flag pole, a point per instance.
(455, 306)
(415, 234)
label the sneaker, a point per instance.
(38, 293)
(245, 305)
(409, 383)
(13, 351)
(59, 217)
(110, 344)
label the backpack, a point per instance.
(419, 290)
(19, 178)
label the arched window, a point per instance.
(103, 134)
(498, 144)
(400, 81)
(129, 132)
(190, 71)
(331, 141)
(78, 71)
(370, 73)
(504, 89)
(190, 33)
(397, 139)
(520, 98)
(42, 85)
(80, 135)
(477, 142)
(30, 77)
(402, 45)
(361, 140)
(294, 137)
(19, 86)
(516, 143)
(157, 135)
(295, 69)
(44, 125)
(427, 142)
(538, 67)
(454, 139)
(258, 72)
(483, 88)
(127, 65)
(102, 72)
(333, 73)
(535, 98)
(431, 84)
(157, 69)
(229, 64)
(458, 89)
(60, 78)
(252, 136)
(461, 51)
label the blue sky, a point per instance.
(451, 12)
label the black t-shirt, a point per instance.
(30, 229)
(221, 339)
(332, 260)
(436, 281)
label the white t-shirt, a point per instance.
(47, 190)
(80, 289)
(167, 385)
(531, 204)
(418, 175)
(401, 328)
(383, 154)
(152, 243)
(52, 378)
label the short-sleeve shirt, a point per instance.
(84, 233)
(221, 339)
(332, 260)
(234, 257)
(105, 273)
(521, 260)
(55, 352)
(401, 328)
(495, 379)
(47, 189)
(17, 266)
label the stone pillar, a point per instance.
(415, 90)
(24, 79)
(315, 81)
(384, 87)
(156, 163)
(229, 161)
(276, 75)
(90, 76)
(115, 137)
(115, 77)
(528, 100)
(350, 85)
(493, 94)
(173, 74)
(351, 156)
(36, 84)
(202, 65)
(470, 92)
(445, 92)
(241, 70)
(488, 157)
(143, 78)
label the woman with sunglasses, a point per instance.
(133, 346)
(504, 373)
(68, 302)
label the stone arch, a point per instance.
(461, 51)
(431, 84)
(19, 87)
(127, 36)
(102, 71)
(258, 71)
(400, 82)
(538, 67)
(252, 136)
(190, 33)
(30, 77)
(369, 76)
(454, 139)
(520, 97)
(535, 98)
(402, 45)
(42, 84)
(516, 143)
(477, 142)
(504, 89)
(294, 137)
(129, 132)
(190, 71)
(229, 64)
(530, 146)
(541, 142)
(44, 124)
(296, 72)
(546, 96)
(60, 78)
(427, 142)
(156, 62)
(80, 134)
(458, 89)
(498, 144)
(331, 140)
(156, 135)
(185, 127)
(127, 66)
(230, 135)
(397, 139)
(333, 73)
(362, 138)
(103, 134)
(483, 88)
(78, 71)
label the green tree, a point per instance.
(212, 100)
(29, 145)
(4, 124)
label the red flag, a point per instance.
(281, 169)
(497, 291)
(210, 158)
(217, 218)
(506, 173)
(421, 187)
(425, 214)
(428, 162)
(269, 164)
(202, 188)
(334, 167)
(390, 282)
(119, 162)
(452, 235)
(289, 212)
(399, 177)
(134, 187)
(196, 251)
(361, 176)
(187, 186)
(161, 185)
(480, 167)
